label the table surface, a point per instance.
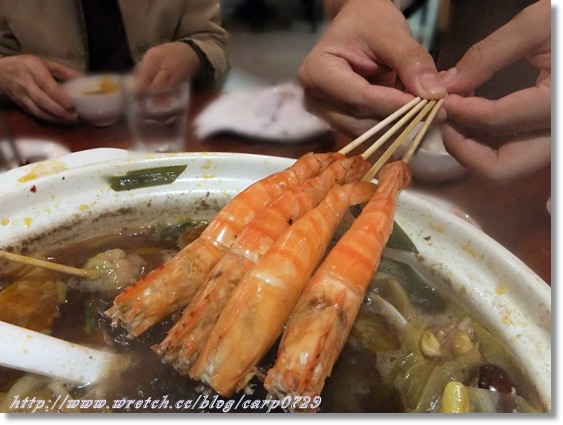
(511, 212)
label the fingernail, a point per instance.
(432, 84)
(449, 76)
(441, 116)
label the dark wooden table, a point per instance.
(513, 213)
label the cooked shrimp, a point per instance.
(184, 340)
(255, 314)
(172, 285)
(325, 313)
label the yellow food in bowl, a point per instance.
(106, 85)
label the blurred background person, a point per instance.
(164, 41)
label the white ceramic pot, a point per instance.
(43, 205)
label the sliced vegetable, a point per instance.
(420, 291)
(400, 240)
(373, 332)
(146, 177)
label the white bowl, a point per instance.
(431, 162)
(471, 265)
(99, 109)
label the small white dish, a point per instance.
(35, 150)
(97, 98)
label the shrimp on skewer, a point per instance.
(260, 305)
(172, 285)
(323, 318)
(184, 340)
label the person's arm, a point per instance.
(198, 53)
(365, 66)
(30, 81)
(203, 32)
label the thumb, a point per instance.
(61, 72)
(416, 69)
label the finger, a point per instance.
(522, 155)
(43, 79)
(47, 103)
(525, 32)
(61, 72)
(415, 67)
(521, 111)
(342, 122)
(28, 105)
(50, 88)
(146, 72)
(336, 84)
(163, 79)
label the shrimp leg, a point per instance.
(325, 313)
(184, 340)
(260, 305)
(172, 285)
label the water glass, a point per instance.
(157, 118)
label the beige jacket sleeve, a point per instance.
(152, 22)
(203, 27)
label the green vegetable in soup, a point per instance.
(146, 177)
(400, 240)
(420, 291)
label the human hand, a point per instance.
(510, 136)
(166, 65)
(366, 66)
(31, 82)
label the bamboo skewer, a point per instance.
(424, 107)
(90, 274)
(379, 142)
(409, 153)
(398, 141)
(361, 139)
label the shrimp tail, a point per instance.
(151, 298)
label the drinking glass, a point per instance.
(157, 118)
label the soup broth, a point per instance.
(385, 366)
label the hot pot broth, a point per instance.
(382, 368)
